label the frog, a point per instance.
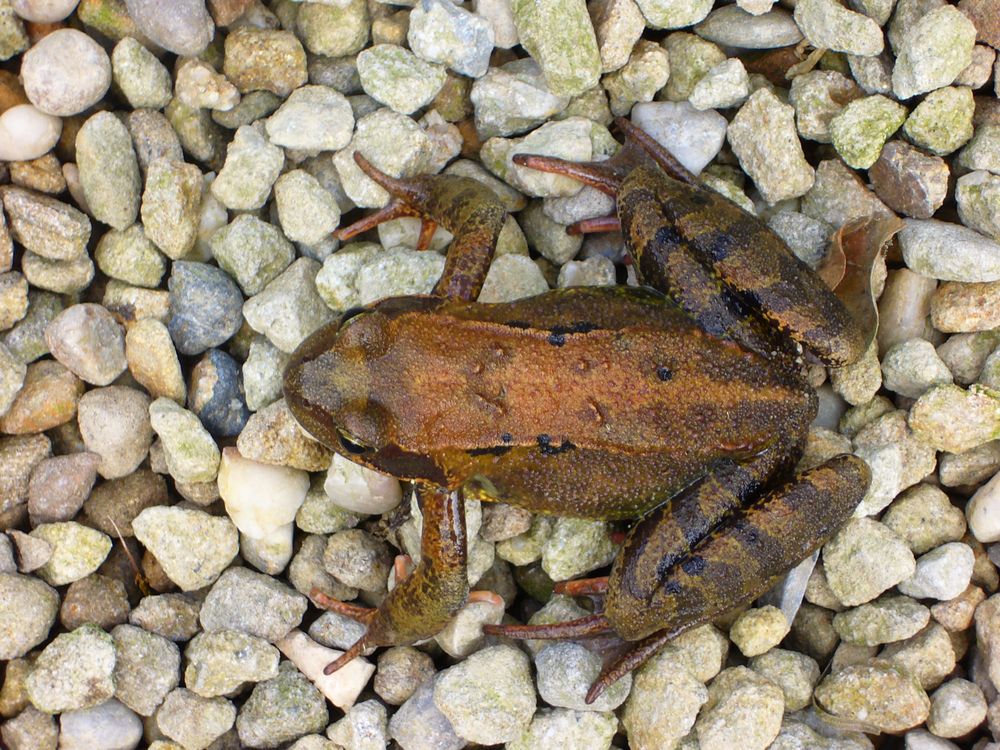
(679, 405)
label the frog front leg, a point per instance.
(422, 603)
(736, 562)
(466, 208)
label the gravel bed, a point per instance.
(170, 175)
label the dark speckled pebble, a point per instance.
(216, 394)
(205, 306)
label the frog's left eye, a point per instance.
(351, 446)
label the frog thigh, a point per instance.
(736, 561)
(749, 259)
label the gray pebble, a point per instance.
(399, 79)
(289, 308)
(693, 137)
(28, 611)
(204, 306)
(732, 26)
(30, 730)
(184, 27)
(358, 560)
(441, 32)
(174, 616)
(864, 559)
(253, 603)
(109, 726)
(307, 211)
(313, 118)
(59, 485)
(565, 673)
(262, 373)
(521, 81)
(65, 72)
(253, 252)
(114, 423)
(147, 667)
(252, 165)
(47, 227)
(420, 725)
(934, 50)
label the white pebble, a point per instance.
(340, 688)
(43, 11)
(65, 72)
(943, 573)
(983, 512)
(361, 490)
(27, 133)
(260, 498)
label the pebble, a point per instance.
(618, 25)
(877, 694)
(194, 721)
(397, 272)
(27, 133)
(953, 419)
(44, 11)
(48, 228)
(313, 118)
(440, 32)
(576, 546)
(928, 656)
(357, 559)
(59, 486)
(174, 616)
(864, 559)
(281, 709)
(933, 52)
(925, 518)
(220, 662)
(30, 730)
(723, 86)
(205, 307)
(909, 181)
(796, 674)
(307, 211)
(109, 726)
(911, 367)
(77, 551)
(153, 137)
(252, 252)
(198, 85)
(942, 122)
(252, 165)
(983, 151)
(663, 703)
(359, 489)
(518, 80)
(732, 26)
(191, 453)
(19, 454)
(73, 672)
(364, 725)
(828, 25)
(306, 572)
(587, 730)
(252, 603)
(775, 161)
(142, 79)
(289, 308)
(63, 277)
(957, 708)
(272, 436)
(963, 308)
(399, 79)
(334, 31)
(95, 599)
(943, 573)
(108, 170)
(565, 672)
(743, 708)
(401, 671)
(265, 60)
(115, 424)
(216, 394)
(978, 198)
(171, 205)
(758, 630)
(43, 174)
(645, 73)
(862, 127)
(559, 36)
(192, 547)
(114, 504)
(48, 397)
(185, 28)
(65, 72)
(489, 698)
(419, 725)
(948, 251)
(262, 373)
(152, 360)
(28, 613)
(966, 354)
(147, 668)
(838, 196)
(885, 620)
(130, 256)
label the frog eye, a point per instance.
(350, 313)
(351, 446)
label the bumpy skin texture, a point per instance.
(614, 403)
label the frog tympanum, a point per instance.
(685, 408)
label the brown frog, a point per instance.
(685, 408)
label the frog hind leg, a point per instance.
(421, 604)
(740, 558)
(466, 208)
